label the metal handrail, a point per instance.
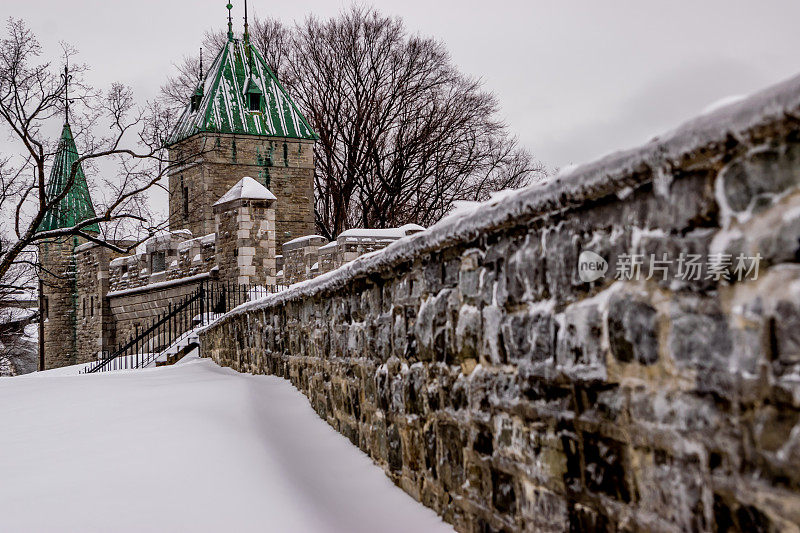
(210, 297)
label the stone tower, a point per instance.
(245, 245)
(239, 122)
(58, 290)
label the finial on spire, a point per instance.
(230, 22)
(246, 28)
(67, 77)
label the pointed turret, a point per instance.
(76, 206)
(241, 95)
(240, 121)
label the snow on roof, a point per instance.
(119, 261)
(161, 237)
(397, 233)
(246, 189)
(223, 108)
(330, 246)
(605, 176)
(205, 239)
(85, 246)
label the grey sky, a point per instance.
(575, 79)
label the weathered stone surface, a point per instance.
(496, 387)
(764, 172)
(632, 329)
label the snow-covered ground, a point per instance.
(191, 447)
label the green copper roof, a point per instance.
(224, 107)
(76, 206)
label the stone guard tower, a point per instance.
(245, 226)
(58, 289)
(241, 122)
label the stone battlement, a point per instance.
(115, 296)
(305, 258)
(167, 256)
(496, 385)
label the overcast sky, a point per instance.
(575, 79)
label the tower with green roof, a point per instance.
(59, 298)
(76, 206)
(240, 121)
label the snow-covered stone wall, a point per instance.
(511, 380)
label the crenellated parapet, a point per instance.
(307, 257)
(166, 256)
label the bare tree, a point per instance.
(32, 95)
(403, 133)
(175, 93)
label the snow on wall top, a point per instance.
(330, 246)
(304, 238)
(597, 179)
(224, 107)
(246, 189)
(205, 239)
(397, 233)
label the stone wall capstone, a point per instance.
(491, 383)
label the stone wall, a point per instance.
(58, 301)
(299, 257)
(94, 324)
(493, 385)
(163, 257)
(245, 245)
(139, 307)
(307, 257)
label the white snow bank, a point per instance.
(190, 447)
(72, 370)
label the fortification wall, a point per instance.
(139, 307)
(491, 383)
(94, 326)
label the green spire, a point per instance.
(230, 88)
(76, 206)
(247, 47)
(230, 22)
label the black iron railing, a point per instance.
(210, 300)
